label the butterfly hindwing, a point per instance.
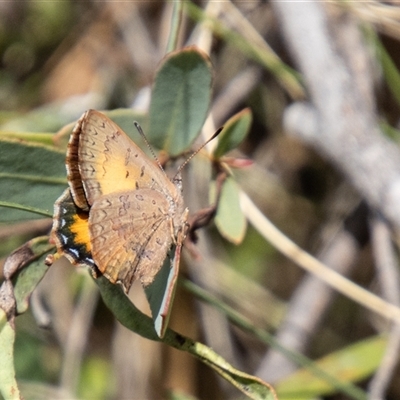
(70, 231)
(130, 235)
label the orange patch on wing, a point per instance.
(70, 231)
(80, 229)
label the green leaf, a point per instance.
(351, 364)
(8, 384)
(251, 386)
(180, 100)
(133, 319)
(26, 267)
(235, 130)
(125, 311)
(230, 221)
(34, 137)
(30, 175)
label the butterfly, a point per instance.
(121, 214)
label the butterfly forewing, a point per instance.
(102, 159)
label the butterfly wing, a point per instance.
(130, 235)
(133, 210)
(102, 159)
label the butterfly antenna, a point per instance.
(183, 165)
(140, 130)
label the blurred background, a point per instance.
(60, 58)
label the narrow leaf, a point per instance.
(251, 386)
(129, 316)
(8, 384)
(351, 364)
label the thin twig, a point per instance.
(312, 265)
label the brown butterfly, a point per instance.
(125, 213)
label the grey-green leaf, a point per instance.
(30, 175)
(235, 130)
(230, 221)
(180, 100)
